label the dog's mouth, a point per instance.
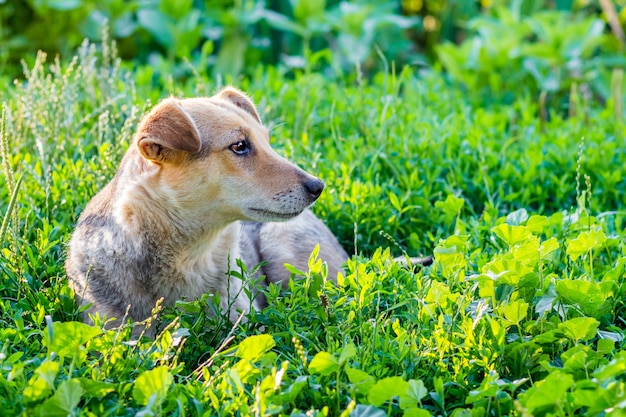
(273, 215)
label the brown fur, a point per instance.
(184, 206)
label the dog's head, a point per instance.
(213, 155)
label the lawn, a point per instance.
(522, 312)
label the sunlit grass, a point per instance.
(522, 311)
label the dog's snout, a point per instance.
(314, 186)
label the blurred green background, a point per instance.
(495, 47)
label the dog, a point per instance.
(198, 188)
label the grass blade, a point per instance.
(7, 215)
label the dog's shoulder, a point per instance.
(100, 250)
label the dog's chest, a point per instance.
(202, 268)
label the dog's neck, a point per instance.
(153, 213)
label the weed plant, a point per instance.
(522, 312)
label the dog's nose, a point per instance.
(314, 187)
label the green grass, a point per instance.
(522, 312)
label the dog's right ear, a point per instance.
(241, 100)
(167, 132)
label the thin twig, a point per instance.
(229, 338)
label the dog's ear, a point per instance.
(167, 132)
(241, 100)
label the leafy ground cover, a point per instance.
(522, 312)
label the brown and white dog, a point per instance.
(199, 188)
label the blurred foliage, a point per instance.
(554, 49)
(554, 52)
(224, 36)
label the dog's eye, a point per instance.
(241, 148)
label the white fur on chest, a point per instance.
(205, 268)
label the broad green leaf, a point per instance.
(234, 379)
(246, 370)
(515, 311)
(550, 391)
(177, 9)
(605, 346)
(153, 382)
(590, 297)
(617, 272)
(304, 10)
(440, 293)
(450, 260)
(615, 368)
(349, 351)
(357, 376)
(253, 348)
(324, 363)
(449, 254)
(527, 252)
(397, 328)
(42, 383)
(536, 223)
(506, 270)
(517, 217)
(13, 358)
(416, 412)
(414, 394)
(159, 26)
(546, 337)
(577, 358)
(362, 381)
(96, 388)
(486, 286)
(64, 400)
(63, 5)
(207, 48)
(291, 392)
(598, 399)
(511, 235)
(282, 22)
(387, 388)
(67, 337)
(451, 206)
(580, 328)
(585, 242)
(546, 302)
(48, 371)
(489, 387)
(37, 389)
(367, 411)
(456, 243)
(548, 247)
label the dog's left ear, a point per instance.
(241, 100)
(167, 132)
